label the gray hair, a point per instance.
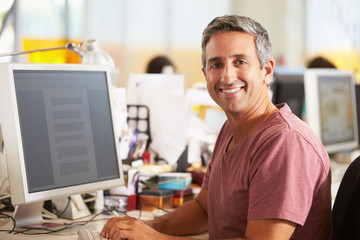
(237, 23)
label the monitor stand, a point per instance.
(74, 209)
(30, 213)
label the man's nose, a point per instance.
(229, 74)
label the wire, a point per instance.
(63, 226)
(7, 206)
(13, 220)
(66, 207)
(47, 231)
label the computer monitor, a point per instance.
(331, 108)
(288, 87)
(58, 130)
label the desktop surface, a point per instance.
(96, 224)
(71, 233)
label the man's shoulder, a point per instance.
(298, 136)
(285, 126)
(283, 122)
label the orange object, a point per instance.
(52, 56)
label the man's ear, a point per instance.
(269, 70)
(202, 69)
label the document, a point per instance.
(70, 135)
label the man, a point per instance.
(269, 176)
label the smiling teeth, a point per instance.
(231, 90)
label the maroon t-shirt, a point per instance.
(280, 171)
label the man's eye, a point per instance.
(215, 65)
(240, 62)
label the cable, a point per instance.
(63, 226)
(107, 210)
(8, 207)
(71, 224)
(68, 225)
(66, 207)
(13, 220)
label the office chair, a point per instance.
(346, 209)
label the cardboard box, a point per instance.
(156, 199)
(183, 196)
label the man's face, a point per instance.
(233, 75)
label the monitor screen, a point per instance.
(288, 87)
(58, 129)
(331, 108)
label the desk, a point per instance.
(71, 234)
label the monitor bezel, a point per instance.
(12, 136)
(313, 118)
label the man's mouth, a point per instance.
(231, 90)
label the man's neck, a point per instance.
(244, 126)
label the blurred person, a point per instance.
(160, 64)
(320, 62)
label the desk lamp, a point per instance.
(71, 46)
(93, 54)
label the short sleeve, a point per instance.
(284, 175)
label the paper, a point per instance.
(168, 107)
(120, 110)
(70, 135)
(168, 145)
(168, 122)
(170, 83)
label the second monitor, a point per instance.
(331, 108)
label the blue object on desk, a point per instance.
(174, 181)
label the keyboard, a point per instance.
(89, 235)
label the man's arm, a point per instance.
(272, 229)
(191, 218)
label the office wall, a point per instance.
(333, 32)
(285, 22)
(133, 31)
